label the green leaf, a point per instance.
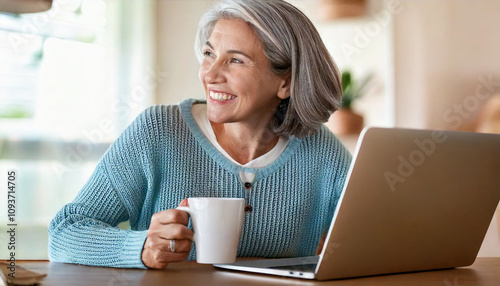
(351, 90)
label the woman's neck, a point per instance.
(242, 143)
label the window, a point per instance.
(71, 79)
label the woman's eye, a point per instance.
(207, 54)
(236, 61)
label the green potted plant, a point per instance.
(345, 121)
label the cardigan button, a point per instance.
(248, 185)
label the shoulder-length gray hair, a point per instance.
(292, 46)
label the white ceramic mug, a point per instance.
(217, 224)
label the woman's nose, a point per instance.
(214, 73)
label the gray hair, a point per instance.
(292, 46)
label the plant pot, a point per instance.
(335, 9)
(345, 122)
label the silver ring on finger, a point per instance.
(172, 245)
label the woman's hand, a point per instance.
(165, 226)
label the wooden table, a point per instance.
(485, 271)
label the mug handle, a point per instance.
(188, 210)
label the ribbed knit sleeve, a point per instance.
(84, 231)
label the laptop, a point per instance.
(413, 200)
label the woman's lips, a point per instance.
(220, 96)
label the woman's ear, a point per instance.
(284, 89)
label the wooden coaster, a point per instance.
(22, 276)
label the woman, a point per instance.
(269, 85)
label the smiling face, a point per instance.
(235, 73)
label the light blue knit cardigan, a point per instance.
(163, 158)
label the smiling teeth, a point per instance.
(220, 96)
